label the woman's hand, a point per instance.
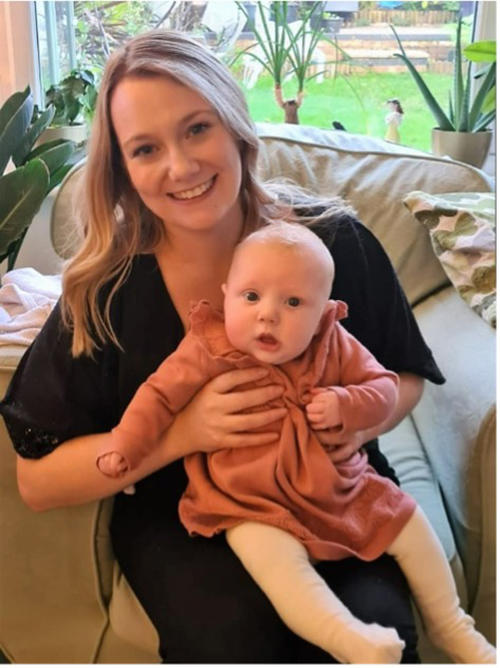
(215, 417)
(340, 450)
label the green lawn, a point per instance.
(333, 99)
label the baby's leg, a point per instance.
(422, 559)
(280, 566)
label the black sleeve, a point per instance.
(53, 397)
(379, 313)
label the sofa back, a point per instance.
(371, 174)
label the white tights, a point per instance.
(280, 565)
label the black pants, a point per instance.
(205, 606)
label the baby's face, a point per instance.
(274, 299)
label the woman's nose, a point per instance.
(180, 164)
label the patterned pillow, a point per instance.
(462, 231)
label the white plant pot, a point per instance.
(76, 133)
(469, 147)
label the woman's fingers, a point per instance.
(342, 452)
(249, 439)
(228, 381)
(235, 401)
(240, 401)
(249, 421)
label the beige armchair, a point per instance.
(63, 598)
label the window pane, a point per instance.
(354, 74)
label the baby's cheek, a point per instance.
(237, 334)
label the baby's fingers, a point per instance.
(315, 416)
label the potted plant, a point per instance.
(283, 49)
(26, 175)
(74, 99)
(463, 133)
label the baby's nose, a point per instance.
(268, 313)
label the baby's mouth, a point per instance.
(267, 340)
(192, 193)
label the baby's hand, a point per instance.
(112, 464)
(324, 410)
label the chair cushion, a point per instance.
(462, 228)
(448, 418)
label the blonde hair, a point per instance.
(116, 224)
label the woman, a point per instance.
(171, 187)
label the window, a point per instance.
(354, 75)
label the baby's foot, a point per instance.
(368, 643)
(112, 464)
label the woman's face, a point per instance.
(182, 161)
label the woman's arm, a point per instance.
(212, 420)
(69, 476)
(410, 391)
(411, 387)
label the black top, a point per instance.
(54, 397)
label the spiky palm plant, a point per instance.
(285, 49)
(467, 112)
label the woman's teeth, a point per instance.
(194, 192)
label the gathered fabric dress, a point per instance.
(334, 510)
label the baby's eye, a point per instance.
(251, 296)
(293, 301)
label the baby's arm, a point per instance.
(362, 394)
(154, 406)
(323, 412)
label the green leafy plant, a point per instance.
(36, 170)
(467, 112)
(285, 50)
(74, 98)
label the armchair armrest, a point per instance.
(48, 576)
(456, 423)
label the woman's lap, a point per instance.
(206, 607)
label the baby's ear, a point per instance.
(223, 287)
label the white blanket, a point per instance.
(26, 300)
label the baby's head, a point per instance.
(276, 292)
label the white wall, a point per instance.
(17, 53)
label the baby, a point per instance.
(285, 505)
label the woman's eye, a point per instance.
(198, 128)
(145, 149)
(251, 296)
(293, 301)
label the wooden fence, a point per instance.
(402, 17)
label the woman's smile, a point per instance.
(181, 159)
(194, 193)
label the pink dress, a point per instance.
(334, 510)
